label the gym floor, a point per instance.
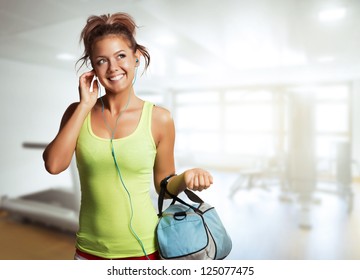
(21, 240)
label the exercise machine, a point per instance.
(57, 207)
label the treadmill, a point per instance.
(55, 207)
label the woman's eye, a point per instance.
(121, 55)
(101, 61)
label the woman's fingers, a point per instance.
(88, 89)
(199, 179)
(85, 80)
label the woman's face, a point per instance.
(114, 63)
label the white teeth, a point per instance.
(116, 78)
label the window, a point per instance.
(254, 121)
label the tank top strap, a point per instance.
(146, 117)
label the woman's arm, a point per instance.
(164, 134)
(58, 154)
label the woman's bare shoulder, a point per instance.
(162, 115)
(69, 112)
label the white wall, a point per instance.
(33, 99)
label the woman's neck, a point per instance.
(116, 103)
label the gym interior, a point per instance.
(264, 94)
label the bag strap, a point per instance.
(161, 197)
(190, 194)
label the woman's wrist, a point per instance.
(85, 106)
(176, 184)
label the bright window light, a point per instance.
(325, 59)
(191, 97)
(166, 40)
(186, 67)
(257, 117)
(332, 14)
(332, 118)
(198, 117)
(65, 56)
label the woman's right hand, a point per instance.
(88, 97)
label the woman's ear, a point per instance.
(137, 58)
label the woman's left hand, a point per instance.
(197, 179)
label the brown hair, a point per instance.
(120, 24)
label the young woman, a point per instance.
(121, 143)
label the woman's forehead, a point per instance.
(110, 42)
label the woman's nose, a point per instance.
(113, 65)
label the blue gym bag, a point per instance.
(190, 231)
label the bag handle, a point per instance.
(190, 194)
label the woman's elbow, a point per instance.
(53, 169)
(52, 164)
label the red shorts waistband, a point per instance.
(87, 256)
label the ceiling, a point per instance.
(215, 40)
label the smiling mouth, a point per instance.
(116, 78)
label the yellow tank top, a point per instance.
(105, 214)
